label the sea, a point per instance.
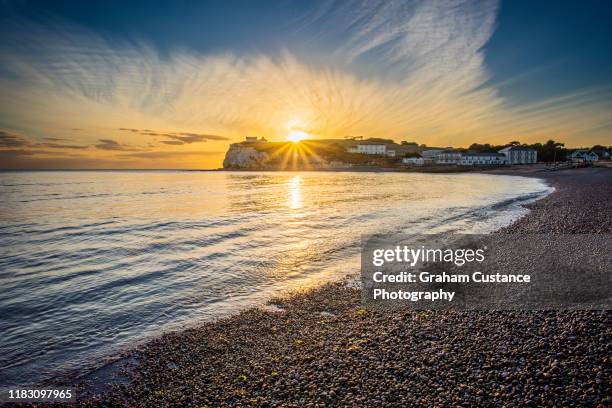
(93, 263)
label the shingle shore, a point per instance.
(319, 348)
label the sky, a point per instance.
(170, 84)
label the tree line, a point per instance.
(547, 152)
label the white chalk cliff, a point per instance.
(240, 156)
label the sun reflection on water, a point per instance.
(294, 192)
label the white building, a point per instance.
(584, 155)
(370, 148)
(519, 155)
(592, 156)
(413, 161)
(602, 154)
(430, 154)
(482, 159)
(448, 156)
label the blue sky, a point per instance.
(439, 72)
(551, 47)
(545, 47)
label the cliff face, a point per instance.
(244, 157)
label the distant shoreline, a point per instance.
(509, 169)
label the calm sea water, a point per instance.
(94, 262)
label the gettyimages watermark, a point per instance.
(487, 272)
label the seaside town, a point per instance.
(357, 152)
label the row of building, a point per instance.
(372, 148)
(448, 156)
(508, 155)
(586, 155)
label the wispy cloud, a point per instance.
(110, 144)
(177, 138)
(56, 139)
(7, 153)
(188, 138)
(170, 154)
(11, 140)
(64, 146)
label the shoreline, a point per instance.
(442, 169)
(232, 342)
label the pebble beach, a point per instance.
(320, 348)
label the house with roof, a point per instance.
(519, 155)
(369, 148)
(602, 153)
(372, 148)
(583, 155)
(254, 139)
(431, 153)
(482, 159)
(447, 156)
(416, 161)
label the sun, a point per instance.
(297, 136)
